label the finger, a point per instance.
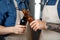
(20, 31)
(36, 28)
(23, 30)
(32, 23)
(32, 26)
(16, 32)
(22, 26)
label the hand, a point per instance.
(38, 25)
(19, 29)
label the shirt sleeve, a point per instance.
(3, 10)
(11, 16)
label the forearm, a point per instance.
(53, 27)
(5, 30)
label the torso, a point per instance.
(50, 14)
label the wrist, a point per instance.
(9, 29)
(45, 27)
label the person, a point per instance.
(8, 16)
(50, 25)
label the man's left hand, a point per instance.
(38, 25)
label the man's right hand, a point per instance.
(19, 29)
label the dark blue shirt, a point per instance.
(8, 11)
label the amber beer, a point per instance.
(26, 18)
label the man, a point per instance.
(50, 29)
(8, 16)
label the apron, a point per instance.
(27, 35)
(50, 14)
